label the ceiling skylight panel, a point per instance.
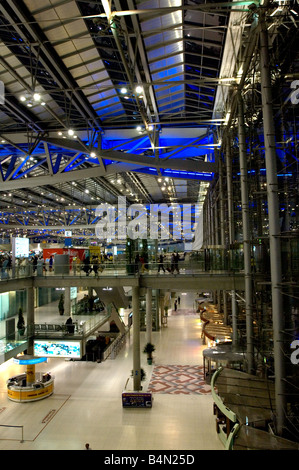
(164, 63)
(170, 98)
(158, 38)
(167, 91)
(169, 73)
(164, 51)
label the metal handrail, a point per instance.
(226, 411)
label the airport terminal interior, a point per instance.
(149, 225)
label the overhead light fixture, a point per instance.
(32, 99)
(70, 133)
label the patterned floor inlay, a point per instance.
(177, 379)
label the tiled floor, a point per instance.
(86, 405)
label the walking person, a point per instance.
(95, 265)
(143, 264)
(87, 268)
(172, 263)
(160, 263)
(137, 263)
(51, 263)
(176, 263)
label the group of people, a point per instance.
(141, 263)
(174, 263)
(20, 267)
(92, 265)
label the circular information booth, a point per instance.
(30, 386)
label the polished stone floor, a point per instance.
(86, 405)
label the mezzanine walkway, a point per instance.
(190, 278)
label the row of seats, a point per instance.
(48, 327)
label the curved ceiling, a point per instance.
(74, 128)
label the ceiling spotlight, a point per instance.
(123, 90)
(36, 97)
(23, 98)
(139, 89)
(139, 128)
(70, 132)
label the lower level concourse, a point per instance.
(86, 406)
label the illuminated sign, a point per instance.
(56, 348)
(20, 247)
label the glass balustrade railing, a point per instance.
(13, 341)
(205, 261)
(213, 259)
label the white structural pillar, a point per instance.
(149, 315)
(67, 301)
(30, 315)
(274, 227)
(136, 339)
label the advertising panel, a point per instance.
(137, 399)
(56, 348)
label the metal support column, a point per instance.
(136, 339)
(274, 227)
(246, 235)
(221, 199)
(234, 319)
(30, 316)
(149, 316)
(67, 301)
(229, 184)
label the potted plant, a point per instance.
(21, 322)
(149, 348)
(61, 305)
